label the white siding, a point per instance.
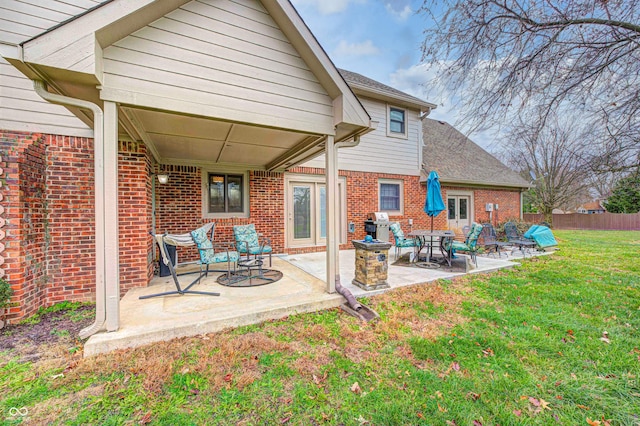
(379, 153)
(229, 58)
(21, 109)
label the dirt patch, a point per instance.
(54, 330)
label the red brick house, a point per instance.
(476, 186)
(234, 101)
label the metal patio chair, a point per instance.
(470, 244)
(250, 242)
(400, 240)
(489, 240)
(517, 240)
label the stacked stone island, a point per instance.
(371, 264)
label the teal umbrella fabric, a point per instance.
(434, 204)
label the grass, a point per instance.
(554, 341)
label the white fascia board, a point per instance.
(382, 95)
(290, 22)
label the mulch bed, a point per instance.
(53, 328)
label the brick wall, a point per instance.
(48, 196)
(23, 164)
(134, 215)
(507, 199)
(71, 219)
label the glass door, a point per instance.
(307, 213)
(458, 211)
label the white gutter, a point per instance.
(98, 155)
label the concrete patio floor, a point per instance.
(302, 289)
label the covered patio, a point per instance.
(302, 289)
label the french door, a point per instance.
(307, 213)
(458, 211)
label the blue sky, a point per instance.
(380, 39)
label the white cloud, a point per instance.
(401, 14)
(366, 48)
(327, 7)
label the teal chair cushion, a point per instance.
(457, 245)
(472, 238)
(401, 241)
(205, 247)
(397, 231)
(246, 233)
(207, 253)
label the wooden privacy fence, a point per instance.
(609, 221)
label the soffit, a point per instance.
(175, 138)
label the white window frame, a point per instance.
(405, 134)
(205, 193)
(398, 182)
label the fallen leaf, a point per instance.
(285, 420)
(228, 377)
(355, 388)
(473, 396)
(605, 337)
(146, 419)
(518, 413)
(544, 404)
(584, 407)
(593, 422)
(488, 352)
(441, 409)
(455, 366)
(477, 423)
(534, 401)
(451, 423)
(194, 391)
(420, 415)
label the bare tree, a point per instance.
(506, 57)
(553, 158)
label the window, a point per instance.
(397, 122)
(225, 194)
(391, 196)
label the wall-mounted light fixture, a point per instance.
(163, 178)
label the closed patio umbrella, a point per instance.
(433, 205)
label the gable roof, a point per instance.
(366, 86)
(593, 205)
(458, 160)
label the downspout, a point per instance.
(353, 303)
(98, 130)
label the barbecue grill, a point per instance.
(377, 225)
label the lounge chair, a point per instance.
(202, 239)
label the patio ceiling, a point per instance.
(180, 139)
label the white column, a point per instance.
(110, 196)
(331, 182)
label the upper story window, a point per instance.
(397, 122)
(225, 195)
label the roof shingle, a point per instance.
(457, 159)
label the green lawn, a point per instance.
(554, 341)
